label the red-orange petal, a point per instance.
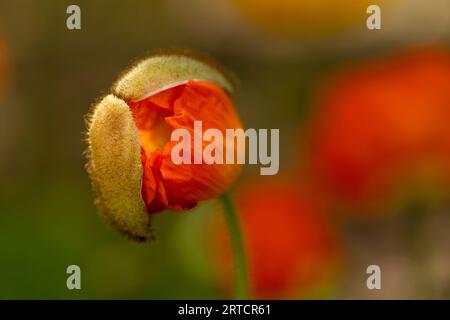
(181, 186)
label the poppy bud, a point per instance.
(130, 146)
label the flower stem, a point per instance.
(240, 276)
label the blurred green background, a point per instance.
(47, 217)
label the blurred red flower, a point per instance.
(382, 133)
(291, 247)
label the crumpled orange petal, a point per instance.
(181, 186)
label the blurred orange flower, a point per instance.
(300, 17)
(291, 247)
(129, 136)
(382, 131)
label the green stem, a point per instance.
(240, 275)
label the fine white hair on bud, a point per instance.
(114, 164)
(163, 71)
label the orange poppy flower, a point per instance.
(130, 140)
(382, 131)
(290, 246)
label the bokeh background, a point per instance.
(293, 61)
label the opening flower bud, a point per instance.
(130, 144)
